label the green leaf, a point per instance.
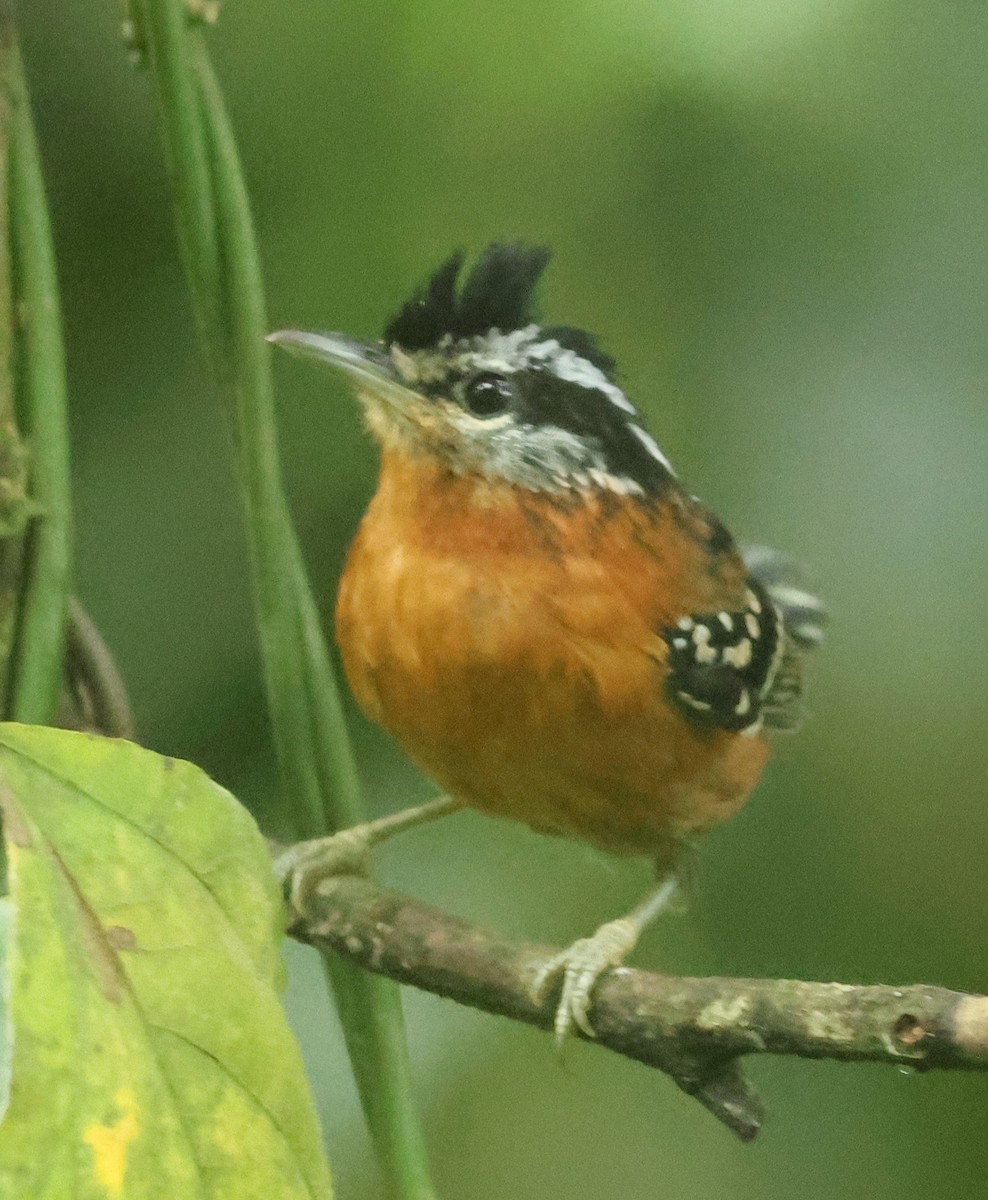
(150, 1056)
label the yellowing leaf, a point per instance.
(149, 1058)
(109, 1143)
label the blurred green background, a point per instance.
(773, 212)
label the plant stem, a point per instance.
(163, 24)
(318, 771)
(47, 567)
(13, 465)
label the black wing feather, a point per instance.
(728, 670)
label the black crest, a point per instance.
(496, 294)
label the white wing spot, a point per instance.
(738, 656)
(704, 652)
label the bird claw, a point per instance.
(581, 966)
(303, 867)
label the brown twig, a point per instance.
(96, 687)
(696, 1030)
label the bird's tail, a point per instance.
(802, 612)
(803, 619)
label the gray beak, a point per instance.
(369, 367)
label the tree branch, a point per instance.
(696, 1030)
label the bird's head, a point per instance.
(467, 375)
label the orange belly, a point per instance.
(510, 645)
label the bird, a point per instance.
(549, 624)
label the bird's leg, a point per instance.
(583, 963)
(303, 866)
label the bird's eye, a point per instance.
(488, 394)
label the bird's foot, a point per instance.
(581, 965)
(302, 867)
